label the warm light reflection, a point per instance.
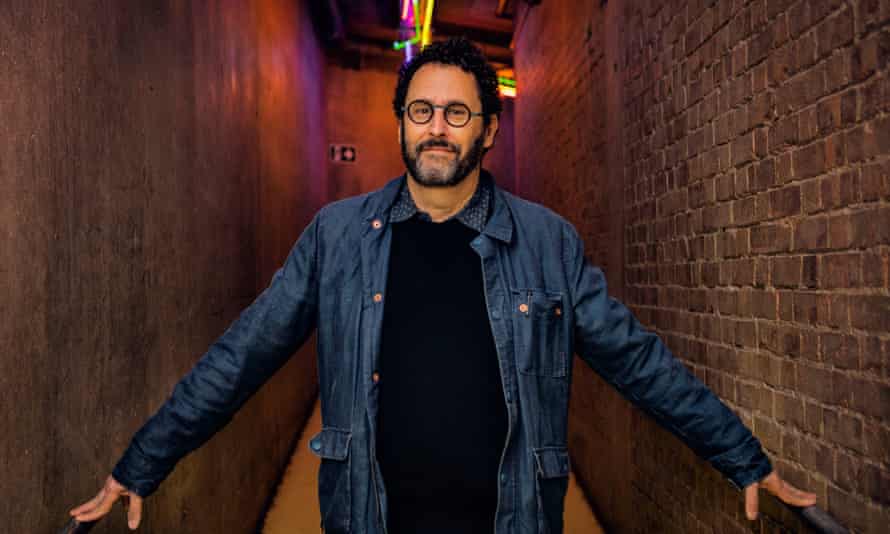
(507, 92)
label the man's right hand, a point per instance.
(101, 504)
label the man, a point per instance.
(447, 312)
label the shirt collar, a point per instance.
(473, 215)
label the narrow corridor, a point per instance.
(724, 164)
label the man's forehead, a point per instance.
(442, 84)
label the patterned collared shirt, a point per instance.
(474, 214)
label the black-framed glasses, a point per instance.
(457, 114)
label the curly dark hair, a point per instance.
(460, 52)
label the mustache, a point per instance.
(437, 143)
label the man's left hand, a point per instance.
(781, 489)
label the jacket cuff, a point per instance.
(744, 464)
(133, 472)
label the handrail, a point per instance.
(76, 527)
(816, 518)
(820, 520)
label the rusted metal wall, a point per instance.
(157, 161)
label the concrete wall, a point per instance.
(746, 145)
(157, 161)
(568, 156)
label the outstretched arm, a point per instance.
(250, 351)
(636, 362)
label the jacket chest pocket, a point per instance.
(539, 330)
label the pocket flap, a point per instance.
(331, 443)
(552, 461)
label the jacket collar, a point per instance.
(500, 220)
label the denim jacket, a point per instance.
(545, 303)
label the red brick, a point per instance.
(849, 472)
(834, 32)
(834, 310)
(785, 271)
(743, 149)
(840, 190)
(786, 306)
(764, 304)
(871, 312)
(789, 410)
(875, 268)
(784, 172)
(838, 69)
(877, 441)
(810, 160)
(875, 181)
(811, 191)
(839, 350)
(813, 416)
(876, 482)
(843, 429)
(814, 381)
(806, 308)
(784, 202)
(780, 340)
(870, 227)
(841, 271)
(840, 231)
(870, 55)
(868, 140)
(810, 271)
(875, 99)
(811, 234)
(871, 398)
(849, 101)
(770, 238)
(849, 509)
(783, 132)
(818, 456)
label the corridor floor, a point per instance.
(294, 509)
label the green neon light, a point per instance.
(418, 31)
(509, 82)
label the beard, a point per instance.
(432, 174)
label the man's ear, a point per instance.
(491, 131)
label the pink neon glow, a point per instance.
(405, 5)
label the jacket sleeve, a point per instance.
(247, 354)
(639, 365)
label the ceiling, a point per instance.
(371, 26)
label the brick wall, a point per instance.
(754, 141)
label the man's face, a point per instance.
(436, 153)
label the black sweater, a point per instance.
(442, 421)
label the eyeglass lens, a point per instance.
(456, 114)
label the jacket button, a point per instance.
(523, 307)
(316, 445)
(378, 297)
(503, 478)
(376, 224)
(375, 376)
(558, 311)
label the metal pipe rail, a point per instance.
(816, 518)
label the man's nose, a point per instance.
(438, 126)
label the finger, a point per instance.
(134, 514)
(793, 496)
(90, 504)
(102, 508)
(751, 501)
